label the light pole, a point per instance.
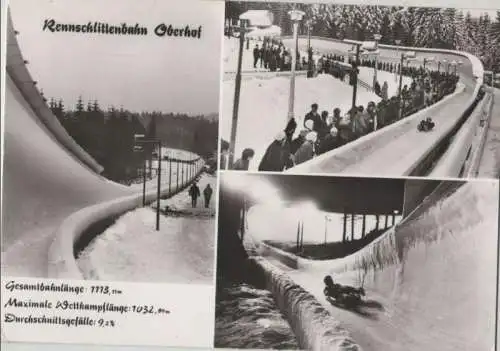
(309, 56)
(445, 62)
(139, 141)
(296, 17)
(457, 64)
(355, 77)
(140, 148)
(428, 60)
(169, 175)
(398, 42)
(327, 219)
(236, 100)
(377, 38)
(308, 23)
(400, 88)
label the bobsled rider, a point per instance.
(426, 125)
(430, 123)
(331, 289)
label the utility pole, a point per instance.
(169, 175)
(236, 100)
(400, 88)
(296, 17)
(158, 190)
(377, 38)
(355, 77)
(140, 141)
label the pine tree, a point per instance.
(449, 28)
(460, 39)
(429, 28)
(79, 106)
(495, 43)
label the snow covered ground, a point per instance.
(132, 250)
(230, 55)
(434, 285)
(264, 102)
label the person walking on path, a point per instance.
(207, 193)
(194, 192)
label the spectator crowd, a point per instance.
(323, 131)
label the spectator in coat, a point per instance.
(385, 91)
(256, 56)
(336, 117)
(330, 142)
(207, 194)
(306, 150)
(275, 158)
(313, 115)
(244, 162)
(378, 89)
(322, 127)
(194, 193)
(372, 115)
(290, 128)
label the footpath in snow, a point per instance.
(181, 252)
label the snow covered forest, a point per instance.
(446, 28)
(108, 135)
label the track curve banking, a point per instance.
(47, 177)
(430, 283)
(398, 150)
(42, 185)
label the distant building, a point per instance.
(260, 24)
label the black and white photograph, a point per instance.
(361, 90)
(345, 263)
(111, 137)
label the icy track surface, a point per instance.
(431, 284)
(42, 185)
(181, 252)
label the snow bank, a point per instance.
(313, 325)
(435, 219)
(62, 262)
(132, 250)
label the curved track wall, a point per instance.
(422, 160)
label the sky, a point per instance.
(270, 222)
(140, 73)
